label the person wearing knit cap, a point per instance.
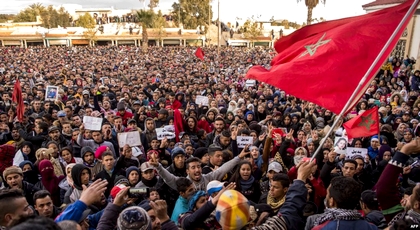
(13, 176)
(123, 113)
(133, 175)
(177, 167)
(201, 214)
(202, 154)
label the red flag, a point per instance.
(199, 53)
(324, 63)
(17, 98)
(364, 125)
(178, 124)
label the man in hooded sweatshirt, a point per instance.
(81, 175)
(88, 156)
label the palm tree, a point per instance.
(311, 4)
(145, 17)
(36, 9)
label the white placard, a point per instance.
(169, 128)
(202, 100)
(242, 141)
(162, 133)
(250, 83)
(129, 138)
(340, 145)
(92, 123)
(350, 152)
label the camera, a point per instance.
(137, 192)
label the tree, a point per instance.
(86, 21)
(311, 4)
(159, 24)
(52, 18)
(252, 29)
(7, 17)
(191, 13)
(30, 13)
(153, 4)
(145, 18)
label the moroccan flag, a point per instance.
(17, 98)
(324, 63)
(199, 53)
(364, 125)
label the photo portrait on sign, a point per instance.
(341, 143)
(51, 93)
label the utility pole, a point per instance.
(218, 27)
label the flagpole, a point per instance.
(367, 74)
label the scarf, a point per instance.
(150, 183)
(247, 184)
(414, 216)
(338, 214)
(275, 205)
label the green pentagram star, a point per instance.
(311, 49)
(366, 122)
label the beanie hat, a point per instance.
(232, 210)
(120, 106)
(134, 218)
(121, 180)
(200, 152)
(12, 170)
(130, 169)
(177, 151)
(23, 163)
(99, 151)
(194, 199)
(116, 189)
(214, 186)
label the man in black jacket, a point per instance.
(41, 132)
(14, 180)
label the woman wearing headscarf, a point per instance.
(67, 183)
(50, 181)
(25, 152)
(30, 175)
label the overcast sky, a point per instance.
(229, 9)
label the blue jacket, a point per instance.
(75, 212)
(181, 206)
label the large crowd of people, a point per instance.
(60, 173)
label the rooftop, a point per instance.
(383, 2)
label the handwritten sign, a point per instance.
(129, 138)
(169, 128)
(242, 141)
(350, 152)
(162, 133)
(92, 123)
(250, 83)
(202, 100)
